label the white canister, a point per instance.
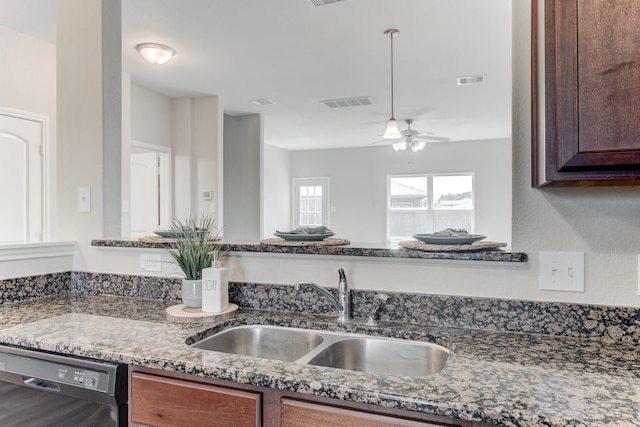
(215, 287)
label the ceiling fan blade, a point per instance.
(432, 138)
(387, 140)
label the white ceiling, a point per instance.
(297, 55)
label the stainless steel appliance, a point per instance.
(40, 389)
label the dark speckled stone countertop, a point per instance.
(495, 377)
(382, 250)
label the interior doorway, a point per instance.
(22, 178)
(150, 197)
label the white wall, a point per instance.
(28, 84)
(183, 169)
(242, 156)
(195, 136)
(80, 118)
(150, 116)
(206, 133)
(276, 190)
(602, 222)
(358, 187)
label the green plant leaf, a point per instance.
(194, 248)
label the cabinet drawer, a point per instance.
(297, 413)
(158, 401)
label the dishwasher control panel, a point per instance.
(76, 376)
(67, 371)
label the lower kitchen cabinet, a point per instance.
(158, 401)
(296, 413)
(167, 399)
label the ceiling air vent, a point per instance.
(263, 101)
(358, 101)
(322, 2)
(469, 80)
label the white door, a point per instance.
(21, 185)
(144, 193)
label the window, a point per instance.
(310, 202)
(420, 204)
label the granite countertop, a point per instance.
(495, 377)
(382, 250)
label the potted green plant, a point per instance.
(193, 251)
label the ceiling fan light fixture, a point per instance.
(392, 131)
(155, 53)
(415, 147)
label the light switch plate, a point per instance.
(151, 262)
(84, 199)
(562, 271)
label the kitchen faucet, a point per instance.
(342, 303)
(378, 302)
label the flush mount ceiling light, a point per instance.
(392, 131)
(155, 53)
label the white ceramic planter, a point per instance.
(192, 293)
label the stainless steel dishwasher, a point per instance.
(40, 389)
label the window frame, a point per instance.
(429, 209)
(297, 183)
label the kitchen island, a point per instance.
(490, 377)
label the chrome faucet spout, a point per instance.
(342, 303)
(322, 291)
(345, 297)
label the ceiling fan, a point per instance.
(413, 139)
(408, 138)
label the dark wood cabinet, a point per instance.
(297, 413)
(586, 92)
(167, 399)
(167, 402)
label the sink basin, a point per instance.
(357, 352)
(268, 342)
(384, 357)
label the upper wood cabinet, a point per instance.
(586, 92)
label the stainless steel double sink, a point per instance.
(376, 355)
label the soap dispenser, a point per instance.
(215, 287)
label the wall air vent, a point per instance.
(357, 101)
(263, 101)
(469, 80)
(322, 2)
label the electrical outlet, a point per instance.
(151, 262)
(562, 271)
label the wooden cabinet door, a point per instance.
(297, 413)
(591, 90)
(159, 401)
